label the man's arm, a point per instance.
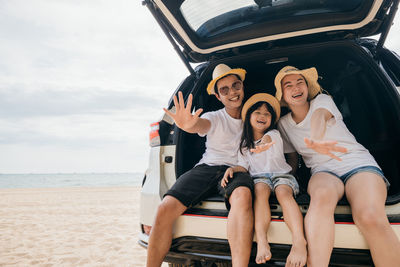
(201, 127)
(229, 174)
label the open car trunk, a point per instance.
(368, 103)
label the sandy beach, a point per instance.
(70, 227)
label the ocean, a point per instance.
(70, 180)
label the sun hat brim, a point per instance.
(211, 85)
(262, 97)
(310, 74)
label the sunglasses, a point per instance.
(236, 86)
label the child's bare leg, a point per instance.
(262, 218)
(294, 220)
(325, 191)
(366, 193)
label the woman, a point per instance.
(313, 128)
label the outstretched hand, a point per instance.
(262, 147)
(228, 174)
(183, 116)
(325, 147)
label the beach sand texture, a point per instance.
(70, 227)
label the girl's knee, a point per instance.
(261, 188)
(284, 191)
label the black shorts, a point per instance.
(203, 180)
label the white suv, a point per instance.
(360, 74)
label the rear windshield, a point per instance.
(209, 18)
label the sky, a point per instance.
(80, 83)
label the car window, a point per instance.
(390, 62)
(209, 17)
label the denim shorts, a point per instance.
(345, 177)
(273, 180)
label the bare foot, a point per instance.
(298, 254)
(263, 253)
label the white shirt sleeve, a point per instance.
(274, 134)
(277, 138)
(287, 145)
(326, 102)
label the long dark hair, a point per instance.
(247, 140)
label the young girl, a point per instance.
(270, 173)
(310, 127)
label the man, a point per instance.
(223, 129)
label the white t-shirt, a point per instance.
(293, 136)
(223, 139)
(271, 161)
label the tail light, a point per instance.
(146, 229)
(154, 134)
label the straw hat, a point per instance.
(262, 97)
(220, 71)
(311, 75)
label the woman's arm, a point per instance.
(319, 121)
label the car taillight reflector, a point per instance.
(146, 229)
(154, 134)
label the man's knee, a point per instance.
(241, 196)
(170, 207)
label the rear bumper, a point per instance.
(188, 250)
(202, 238)
(347, 235)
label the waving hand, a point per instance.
(325, 147)
(266, 143)
(262, 147)
(183, 116)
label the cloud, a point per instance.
(116, 141)
(89, 43)
(53, 159)
(25, 103)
